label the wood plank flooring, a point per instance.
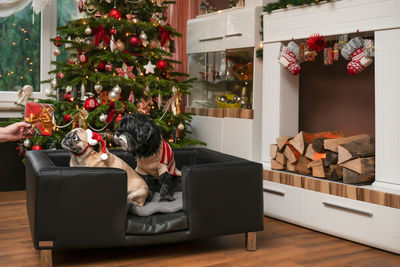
(280, 244)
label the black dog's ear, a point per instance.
(150, 131)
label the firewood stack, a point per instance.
(326, 155)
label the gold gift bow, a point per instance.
(81, 116)
(44, 118)
(174, 103)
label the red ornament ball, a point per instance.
(83, 58)
(118, 118)
(67, 118)
(60, 75)
(135, 41)
(162, 64)
(113, 31)
(90, 103)
(101, 66)
(37, 147)
(109, 67)
(67, 97)
(57, 42)
(115, 13)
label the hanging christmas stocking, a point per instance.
(354, 51)
(290, 58)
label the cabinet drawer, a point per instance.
(195, 33)
(362, 222)
(213, 33)
(283, 202)
(240, 26)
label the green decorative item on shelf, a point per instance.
(287, 3)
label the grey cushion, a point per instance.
(156, 224)
(154, 206)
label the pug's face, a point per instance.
(75, 141)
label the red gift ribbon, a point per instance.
(165, 35)
(100, 33)
(112, 112)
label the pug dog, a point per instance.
(80, 142)
(155, 159)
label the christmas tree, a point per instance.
(118, 62)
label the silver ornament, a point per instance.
(83, 91)
(236, 99)
(112, 96)
(56, 52)
(48, 92)
(53, 83)
(181, 126)
(68, 89)
(98, 88)
(27, 143)
(112, 43)
(143, 36)
(222, 98)
(117, 89)
(88, 31)
(109, 1)
(68, 45)
(103, 118)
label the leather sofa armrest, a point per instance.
(75, 207)
(223, 198)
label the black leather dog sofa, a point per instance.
(80, 207)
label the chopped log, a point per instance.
(281, 159)
(302, 166)
(302, 139)
(350, 177)
(273, 148)
(317, 168)
(331, 158)
(291, 154)
(318, 145)
(291, 166)
(332, 144)
(339, 171)
(276, 165)
(281, 141)
(360, 148)
(310, 152)
(335, 171)
(330, 171)
(361, 165)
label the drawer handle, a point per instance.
(211, 39)
(274, 192)
(336, 206)
(234, 34)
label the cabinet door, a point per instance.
(213, 28)
(208, 130)
(240, 28)
(194, 34)
(237, 137)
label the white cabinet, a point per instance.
(208, 130)
(228, 29)
(240, 28)
(237, 137)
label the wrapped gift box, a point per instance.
(40, 116)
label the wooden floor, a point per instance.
(280, 244)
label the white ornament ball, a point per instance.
(98, 88)
(143, 36)
(117, 89)
(68, 89)
(88, 31)
(48, 92)
(112, 96)
(181, 126)
(103, 118)
(27, 143)
(53, 83)
(56, 52)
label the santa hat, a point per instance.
(94, 139)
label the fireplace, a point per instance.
(372, 111)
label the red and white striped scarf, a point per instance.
(167, 158)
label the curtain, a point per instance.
(10, 7)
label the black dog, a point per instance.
(139, 134)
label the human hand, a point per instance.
(14, 132)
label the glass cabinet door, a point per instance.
(224, 79)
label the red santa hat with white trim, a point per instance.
(94, 139)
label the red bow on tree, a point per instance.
(100, 33)
(112, 112)
(165, 34)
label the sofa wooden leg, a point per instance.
(251, 241)
(46, 258)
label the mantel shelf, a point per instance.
(359, 193)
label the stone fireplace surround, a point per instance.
(364, 214)
(281, 89)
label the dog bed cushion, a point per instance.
(156, 224)
(154, 206)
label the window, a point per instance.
(20, 51)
